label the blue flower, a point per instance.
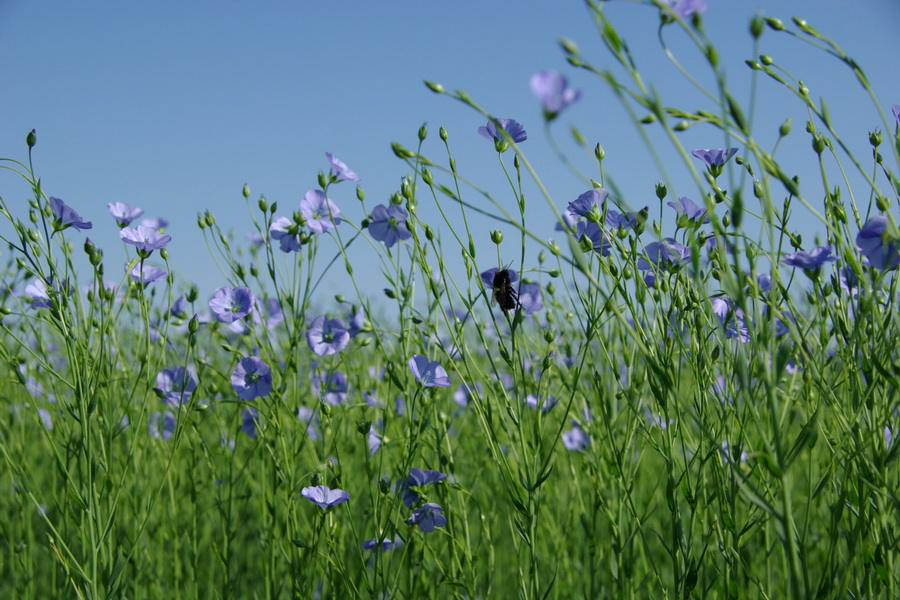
(145, 239)
(340, 171)
(250, 421)
(598, 239)
(174, 386)
(251, 378)
(417, 478)
(877, 245)
(331, 388)
(384, 544)
(388, 224)
(575, 439)
(327, 336)
(144, 273)
(324, 496)
(553, 90)
(287, 233)
(229, 304)
(161, 425)
(515, 131)
(714, 156)
(428, 373)
(590, 202)
(320, 212)
(811, 260)
(66, 216)
(689, 212)
(123, 213)
(686, 8)
(429, 516)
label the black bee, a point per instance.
(504, 293)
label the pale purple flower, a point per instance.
(330, 388)
(145, 273)
(388, 224)
(174, 386)
(512, 128)
(575, 439)
(255, 239)
(287, 233)
(340, 171)
(66, 216)
(408, 487)
(161, 425)
(155, 223)
(664, 255)
(877, 245)
(689, 212)
(714, 157)
(373, 439)
(687, 8)
(553, 90)
(320, 212)
(731, 455)
(250, 421)
(327, 336)
(383, 545)
(44, 414)
(764, 281)
(530, 299)
(732, 318)
(251, 378)
(146, 239)
(487, 277)
(428, 517)
(811, 260)
(123, 213)
(308, 416)
(599, 239)
(545, 402)
(324, 496)
(36, 291)
(428, 373)
(229, 304)
(463, 394)
(895, 108)
(591, 200)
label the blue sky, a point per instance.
(173, 106)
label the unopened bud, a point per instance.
(246, 191)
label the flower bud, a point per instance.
(496, 236)
(599, 152)
(323, 180)
(31, 138)
(435, 87)
(194, 324)
(568, 46)
(775, 23)
(875, 138)
(785, 127)
(400, 151)
(757, 26)
(766, 59)
(245, 191)
(427, 176)
(661, 190)
(423, 132)
(883, 203)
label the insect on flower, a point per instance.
(504, 292)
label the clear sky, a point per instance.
(172, 106)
